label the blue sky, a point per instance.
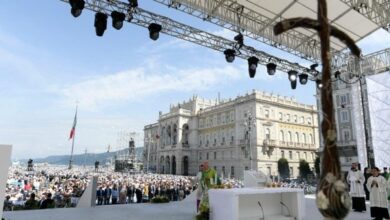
(49, 59)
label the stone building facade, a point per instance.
(220, 132)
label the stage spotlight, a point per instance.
(117, 19)
(271, 68)
(154, 31)
(337, 74)
(133, 3)
(303, 78)
(77, 7)
(229, 55)
(319, 84)
(293, 84)
(292, 75)
(239, 38)
(252, 65)
(100, 23)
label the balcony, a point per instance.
(185, 145)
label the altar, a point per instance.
(257, 203)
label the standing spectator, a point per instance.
(7, 204)
(377, 185)
(99, 195)
(122, 195)
(114, 195)
(48, 203)
(356, 180)
(138, 193)
(31, 203)
(107, 195)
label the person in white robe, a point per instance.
(356, 179)
(377, 186)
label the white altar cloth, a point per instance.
(240, 204)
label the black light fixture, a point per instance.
(229, 55)
(100, 23)
(252, 65)
(239, 38)
(271, 69)
(133, 3)
(154, 31)
(77, 7)
(303, 77)
(319, 84)
(292, 75)
(117, 19)
(337, 74)
(314, 66)
(293, 84)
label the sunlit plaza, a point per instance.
(195, 109)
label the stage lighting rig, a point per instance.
(133, 3)
(100, 23)
(303, 78)
(117, 19)
(154, 31)
(271, 69)
(239, 38)
(252, 65)
(229, 55)
(77, 7)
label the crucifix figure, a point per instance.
(332, 199)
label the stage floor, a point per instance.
(184, 210)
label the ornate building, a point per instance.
(249, 132)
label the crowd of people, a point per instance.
(46, 187)
(58, 187)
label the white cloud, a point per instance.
(136, 84)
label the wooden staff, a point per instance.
(332, 199)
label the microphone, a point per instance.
(262, 210)
(288, 210)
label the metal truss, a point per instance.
(370, 64)
(143, 18)
(234, 16)
(378, 11)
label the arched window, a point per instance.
(289, 138)
(281, 135)
(267, 133)
(296, 137)
(304, 138)
(311, 139)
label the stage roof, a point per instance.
(257, 18)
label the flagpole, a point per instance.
(74, 137)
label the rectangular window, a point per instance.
(346, 134)
(232, 172)
(282, 153)
(290, 156)
(291, 171)
(343, 99)
(266, 113)
(200, 155)
(207, 155)
(215, 155)
(298, 155)
(305, 155)
(344, 116)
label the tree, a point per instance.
(317, 166)
(304, 169)
(283, 168)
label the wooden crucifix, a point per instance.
(332, 197)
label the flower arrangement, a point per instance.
(160, 199)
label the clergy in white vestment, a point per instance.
(377, 185)
(356, 179)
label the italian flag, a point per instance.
(73, 130)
